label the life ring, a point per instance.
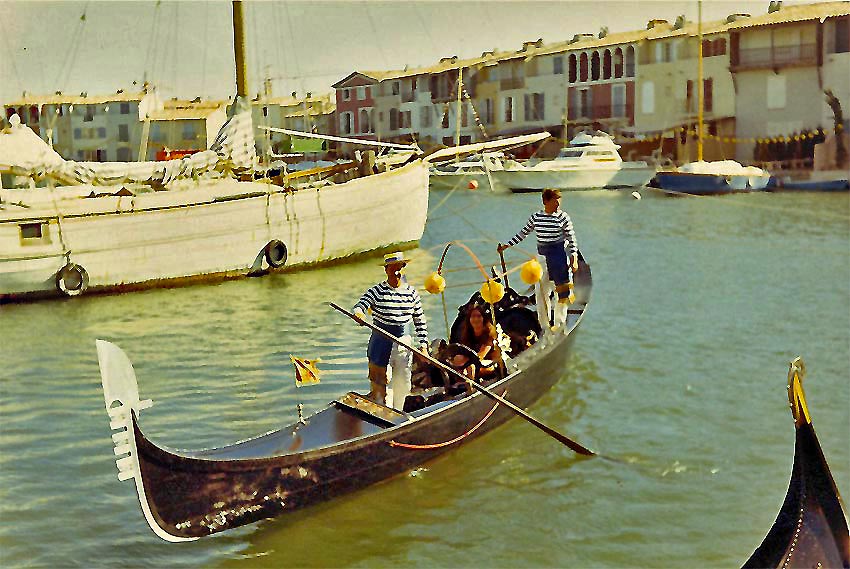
(275, 253)
(72, 280)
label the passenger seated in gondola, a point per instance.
(479, 333)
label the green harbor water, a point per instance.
(679, 370)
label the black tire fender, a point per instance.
(275, 253)
(72, 280)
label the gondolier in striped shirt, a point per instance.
(394, 304)
(555, 239)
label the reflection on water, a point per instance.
(679, 370)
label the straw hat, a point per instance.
(395, 258)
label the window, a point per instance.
(776, 91)
(89, 116)
(100, 156)
(77, 133)
(393, 119)
(404, 119)
(396, 87)
(606, 64)
(425, 117)
(718, 47)
(34, 114)
(361, 93)
(582, 67)
(509, 109)
(618, 100)
(648, 98)
(585, 102)
(125, 108)
(156, 133)
(618, 63)
(32, 230)
(630, 61)
(346, 122)
(489, 112)
(689, 97)
(124, 155)
(573, 74)
(534, 107)
(101, 132)
(708, 95)
(189, 131)
(558, 65)
(594, 66)
(364, 121)
(842, 35)
(346, 94)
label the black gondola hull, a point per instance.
(192, 495)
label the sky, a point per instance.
(185, 47)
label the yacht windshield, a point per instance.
(570, 153)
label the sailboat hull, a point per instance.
(201, 230)
(708, 184)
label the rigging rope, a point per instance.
(394, 443)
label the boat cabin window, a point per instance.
(34, 233)
(570, 153)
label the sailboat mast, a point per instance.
(239, 49)
(457, 113)
(700, 87)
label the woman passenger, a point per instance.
(479, 333)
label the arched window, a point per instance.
(582, 67)
(594, 66)
(630, 61)
(573, 68)
(618, 63)
(606, 64)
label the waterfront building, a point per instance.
(310, 113)
(783, 61)
(183, 127)
(760, 76)
(668, 95)
(97, 128)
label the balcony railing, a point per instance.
(777, 56)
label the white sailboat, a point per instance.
(590, 161)
(119, 226)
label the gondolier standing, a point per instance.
(555, 237)
(394, 304)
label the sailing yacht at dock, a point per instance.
(123, 226)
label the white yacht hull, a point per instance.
(528, 179)
(206, 230)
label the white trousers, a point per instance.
(398, 372)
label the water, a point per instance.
(679, 370)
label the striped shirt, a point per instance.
(396, 306)
(550, 228)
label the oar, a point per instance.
(546, 429)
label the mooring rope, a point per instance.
(454, 440)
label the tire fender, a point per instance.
(72, 280)
(275, 253)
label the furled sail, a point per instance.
(234, 143)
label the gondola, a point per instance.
(348, 445)
(811, 528)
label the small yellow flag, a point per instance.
(306, 372)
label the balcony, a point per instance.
(776, 56)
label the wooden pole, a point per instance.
(239, 49)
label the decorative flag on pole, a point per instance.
(306, 372)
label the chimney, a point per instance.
(654, 23)
(603, 31)
(680, 22)
(735, 17)
(580, 37)
(487, 53)
(774, 6)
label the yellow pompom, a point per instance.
(492, 291)
(435, 283)
(531, 271)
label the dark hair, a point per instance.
(467, 335)
(550, 193)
